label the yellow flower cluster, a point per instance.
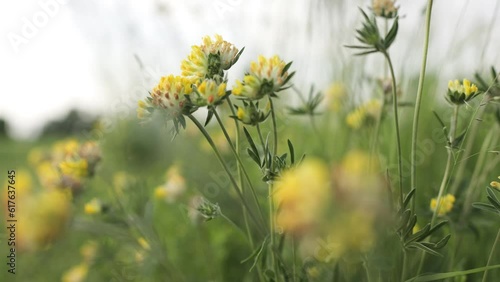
(461, 92)
(67, 165)
(364, 114)
(209, 92)
(335, 95)
(302, 194)
(209, 59)
(385, 8)
(266, 76)
(174, 186)
(446, 204)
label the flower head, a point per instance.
(174, 186)
(495, 184)
(445, 206)
(460, 93)
(169, 96)
(302, 194)
(365, 114)
(335, 95)
(251, 114)
(76, 274)
(385, 8)
(266, 76)
(93, 207)
(208, 92)
(210, 59)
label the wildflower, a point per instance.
(365, 114)
(351, 233)
(335, 95)
(91, 152)
(64, 149)
(460, 93)
(43, 218)
(168, 96)
(209, 92)
(89, 251)
(208, 210)
(251, 114)
(93, 207)
(495, 184)
(266, 76)
(301, 193)
(48, 175)
(210, 59)
(173, 188)
(74, 168)
(385, 8)
(76, 274)
(445, 206)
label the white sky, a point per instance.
(83, 56)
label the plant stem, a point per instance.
(226, 169)
(403, 271)
(491, 255)
(396, 124)
(416, 113)
(240, 163)
(446, 177)
(271, 184)
(260, 136)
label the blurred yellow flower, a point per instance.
(266, 76)
(445, 206)
(143, 243)
(93, 207)
(365, 114)
(385, 8)
(302, 194)
(209, 59)
(76, 274)
(65, 148)
(89, 251)
(48, 175)
(335, 95)
(43, 218)
(74, 168)
(174, 186)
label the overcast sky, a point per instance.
(57, 55)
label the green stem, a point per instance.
(396, 124)
(271, 184)
(228, 172)
(403, 271)
(240, 163)
(445, 179)
(491, 255)
(416, 113)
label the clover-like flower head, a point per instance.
(461, 92)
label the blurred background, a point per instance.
(100, 57)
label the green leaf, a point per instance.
(391, 35)
(254, 157)
(420, 235)
(424, 248)
(441, 276)
(256, 254)
(437, 226)
(209, 116)
(485, 207)
(292, 152)
(408, 198)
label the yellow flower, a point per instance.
(495, 184)
(143, 243)
(266, 76)
(445, 206)
(89, 251)
(365, 114)
(64, 149)
(210, 59)
(302, 194)
(209, 92)
(93, 207)
(74, 168)
(169, 95)
(356, 118)
(459, 93)
(48, 174)
(43, 218)
(350, 233)
(76, 274)
(385, 8)
(173, 188)
(335, 96)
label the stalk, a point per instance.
(396, 124)
(271, 184)
(491, 255)
(416, 113)
(226, 169)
